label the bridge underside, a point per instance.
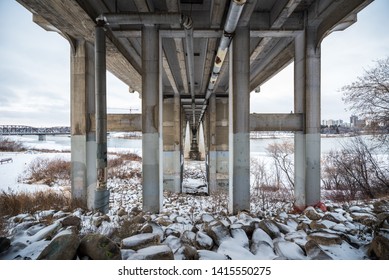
(194, 62)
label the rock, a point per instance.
(121, 212)
(263, 251)
(189, 252)
(271, 228)
(217, 231)
(63, 247)
(147, 228)
(173, 242)
(379, 248)
(207, 218)
(259, 235)
(316, 225)
(311, 213)
(234, 251)
(203, 241)
(366, 219)
(156, 252)
(323, 238)
(381, 206)
(170, 231)
(240, 237)
(71, 221)
(5, 243)
(189, 238)
(314, 252)
(98, 247)
(289, 250)
(210, 255)
(163, 222)
(140, 241)
(334, 217)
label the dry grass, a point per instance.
(7, 145)
(47, 171)
(12, 204)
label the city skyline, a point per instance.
(35, 73)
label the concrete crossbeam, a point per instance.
(276, 122)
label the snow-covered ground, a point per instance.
(193, 226)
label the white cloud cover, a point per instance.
(35, 70)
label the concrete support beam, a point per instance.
(212, 153)
(307, 102)
(276, 122)
(312, 118)
(102, 193)
(172, 144)
(83, 135)
(239, 173)
(151, 174)
(299, 136)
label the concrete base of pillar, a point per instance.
(195, 155)
(102, 200)
(172, 171)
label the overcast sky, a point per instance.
(35, 70)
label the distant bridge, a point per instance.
(29, 130)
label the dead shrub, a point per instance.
(47, 171)
(7, 145)
(355, 173)
(12, 203)
(117, 166)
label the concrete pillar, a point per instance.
(83, 137)
(299, 137)
(239, 171)
(212, 154)
(172, 144)
(312, 117)
(222, 144)
(152, 193)
(102, 193)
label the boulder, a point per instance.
(5, 243)
(203, 241)
(98, 247)
(289, 250)
(140, 241)
(311, 213)
(71, 221)
(259, 235)
(189, 252)
(324, 238)
(314, 251)
(217, 231)
(271, 228)
(263, 251)
(379, 248)
(63, 247)
(240, 237)
(156, 252)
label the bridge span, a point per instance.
(194, 62)
(7, 130)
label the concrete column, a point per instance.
(212, 154)
(239, 171)
(172, 144)
(299, 137)
(102, 193)
(83, 137)
(312, 118)
(152, 193)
